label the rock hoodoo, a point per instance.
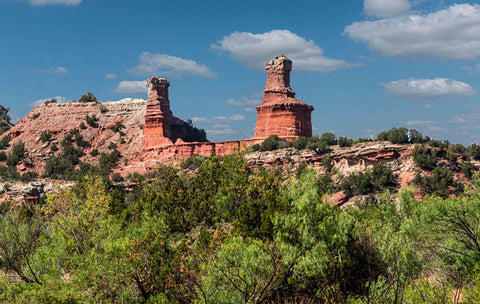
(161, 127)
(280, 112)
(158, 115)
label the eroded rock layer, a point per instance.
(280, 112)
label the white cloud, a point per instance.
(244, 102)
(58, 70)
(46, 2)
(218, 119)
(427, 106)
(412, 123)
(255, 50)
(162, 64)
(385, 8)
(436, 129)
(132, 87)
(421, 89)
(59, 99)
(220, 129)
(110, 76)
(448, 34)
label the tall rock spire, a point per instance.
(158, 116)
(280, 112)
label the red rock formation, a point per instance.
(280, 112)
(158, 115)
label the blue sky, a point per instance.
(366, 66)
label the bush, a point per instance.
(82, 126)
(358, 184)
(424, 158)
(88, 97)
(467, 169)
(329, 139)
(193, 162)
(439, 144)
(300, 143)
(29, 176)
(46, 136)
(117, 127)
(16, 155)
(92, 121)
(344, 142)
(94, 152)
(438, 183)
(382, 177)
(53, 148)
(79, 140)
(108, 161)
(3, 156)
(4, 142)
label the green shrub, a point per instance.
(329, 139)
(474, 151)
(29, 176)
(94, 152)
(358, 184)
(92, 121)
(112, 146)
(382, 177)
(193, 162)
(468, 169)
(108, 161)
(88, 97)
(424, 158)
(4, 142)
(117, 127)
(3, 156)
(439, 144)
(53, 148)
(82, 126)
(16, 155)
(46, 135)
(344, 142)
(79, 140)
(270, 144)
(302, 167)
(438, 183)
(300, 143)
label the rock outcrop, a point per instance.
(280, 112)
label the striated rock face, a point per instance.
(60, 118)
(280, 112)
(158, 115)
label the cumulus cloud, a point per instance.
(58, 70)
(220, 129)
(427, 106)
(255, 50)
(218, 119)
(162, 64)
(449, 34)
(385, 8)
(244, 102)
(132, 87)
(59, 99)
(110, 76)
(421, 89)
(47, 2)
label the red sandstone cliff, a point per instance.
(280, 112)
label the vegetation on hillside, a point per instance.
(231, 234)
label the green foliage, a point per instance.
(88, 97)
(108, 161)
(468, 169)
(94, 152)
(4, 142)
(53, 148)
(3, 156)
(117, 127)
(424, 158)
(368, 182)
(17, 154)
(329, 139)
(438, 183)
(403, 136)
(82, 126)
(300, 143)
(474, 151)
(92, 121)
(5, 123)
(344, 142)
(273, 142)
(46, 135)
(193, 162)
